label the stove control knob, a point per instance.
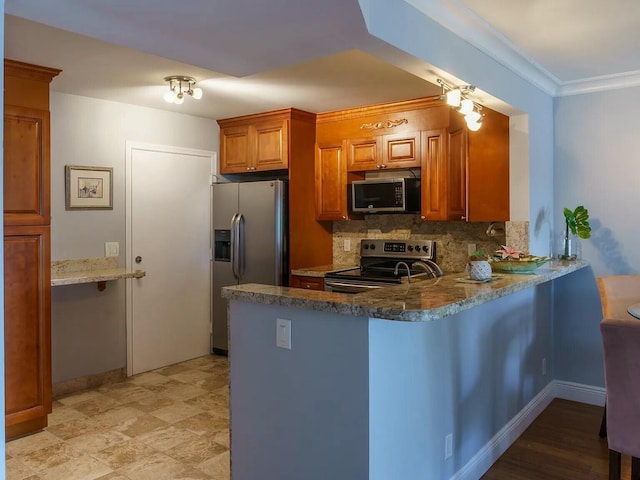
(410, 248)
(417, 248)
(373, 246)
(365, 246)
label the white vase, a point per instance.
(479, 270)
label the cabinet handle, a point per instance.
(344, 217)
(463, 217)
(378, 167)
(383, 166)
(248, 169)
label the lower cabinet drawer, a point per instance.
(310, 283)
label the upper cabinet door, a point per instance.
(363, 154)
(401, 150)
(234, 149)
(434, 174)
(458, 180)
(271, 145)
(331, 182)
(26, 166)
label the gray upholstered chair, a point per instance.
(621, 348)
(621, 342)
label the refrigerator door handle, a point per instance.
(234, 245)
(240, 245)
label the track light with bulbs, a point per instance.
(179, 86)
(458, 98)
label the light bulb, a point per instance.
(453, 97)
(197, 93)
(169, 96)
(474, 126)
(474, 121)
(179, 99)
(466, 106)
(472, 116)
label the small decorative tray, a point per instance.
(471, 280)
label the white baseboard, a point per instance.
(579, 393)
(501, 441)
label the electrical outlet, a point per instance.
(347, 245)
(448, 446)
(283, 333)
(111, 249)
(471, 247)
(544, 366)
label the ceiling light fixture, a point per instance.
(458, 98)
(179, 85)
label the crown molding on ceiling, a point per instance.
(600, 84)
(463, 22)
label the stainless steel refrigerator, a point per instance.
(250, 242)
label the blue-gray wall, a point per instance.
(360, 398)
(581, 150)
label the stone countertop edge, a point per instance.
(89, 270)
(320, 271)
(413, 302)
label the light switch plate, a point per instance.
(283, 333)
(111, 249)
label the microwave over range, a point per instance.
(386, 195)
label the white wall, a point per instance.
(88, 326)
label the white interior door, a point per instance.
(168, 236)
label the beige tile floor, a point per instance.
(171, 423)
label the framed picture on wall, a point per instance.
(88, 188)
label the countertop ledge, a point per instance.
(89, 270)
(413, 302)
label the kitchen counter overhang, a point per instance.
(413, 302)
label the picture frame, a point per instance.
(88, 188)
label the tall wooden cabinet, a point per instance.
(27, 263)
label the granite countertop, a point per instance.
(89, 270)
(320, 271)
(412, 302)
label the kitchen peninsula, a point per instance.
(424, 380)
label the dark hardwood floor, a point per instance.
(561, 444)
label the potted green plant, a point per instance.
(478, 266)
(576, 223)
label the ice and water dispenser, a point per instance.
(222, 245)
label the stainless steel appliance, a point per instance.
(250, 242)
(384, 263)
(386, 195)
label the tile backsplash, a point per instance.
(452, 238)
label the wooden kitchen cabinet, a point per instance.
(255, 143)
(434, 175)
(331, 181)
(308, 283)
(478, 186)
(27, 250)
(384, 152)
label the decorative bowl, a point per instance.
(518, 266)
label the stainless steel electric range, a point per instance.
(384, 263)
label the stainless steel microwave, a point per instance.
(386, 195)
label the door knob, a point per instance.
(138, 259)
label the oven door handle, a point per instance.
(342, 287)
